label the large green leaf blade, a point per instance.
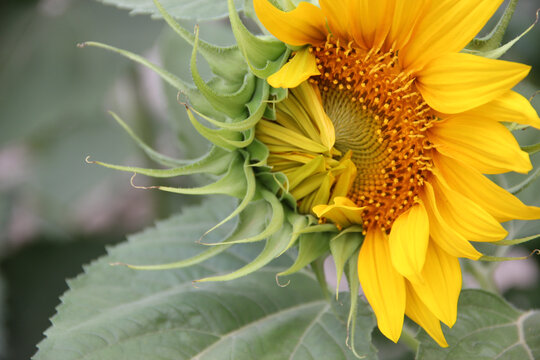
(487, 328)
(119, 313)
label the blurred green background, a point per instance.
(57, 212)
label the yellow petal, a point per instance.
(336, 12)
(409, 239)
(440, 290)
(299, 68)
(310, 98)
(494, 199)
(464, 215)
(457, 82)
(446, 27)
(406, 15)
(444, 235)
(420, 314)
(370, 21)
(272, 133)
(304, 25)
(383, 286)
(487, 146)
(509, 107)
(342, 212)
(303, 172)
(345, 180)
(322, 195)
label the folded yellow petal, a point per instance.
(273, 134)
(495, 200)
(509, 107)
(383, 286)
(304, 25)
(308, 95)
(299, 68)
(464, 215)
(487, 146)
(409, 239)
(442, 284)
(345, 180)
(443, 234)
(458, 82)
(342, 212)
(446, 27)
(420, 314)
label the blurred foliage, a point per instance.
(53, 101)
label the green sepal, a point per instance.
(351, 273)
(490, 258)
(233, 183)
(277, 221)
(173, 80)
(500, 51)
(274, 246)
(222, 95)
(311, 246)
(494, 39)
(277, 95)
(215, 162)
(516, 241)
(343, 246)
(248, 224)
(531, 149)
(264, 56)
(195, 97)
(298, 222)
(317, 266)
(152, 154)
(525, 183)
(226, 139)
(226, 62)
(251, 186)
(258, 152)
(320, 228)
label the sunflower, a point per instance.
(389, 126)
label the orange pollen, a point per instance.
(379, 114)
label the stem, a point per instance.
(408, 338)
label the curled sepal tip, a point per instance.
(489, 258)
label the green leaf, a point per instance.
(119, 313)
(179, 9)
(487, 328)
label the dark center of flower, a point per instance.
(379, 115)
